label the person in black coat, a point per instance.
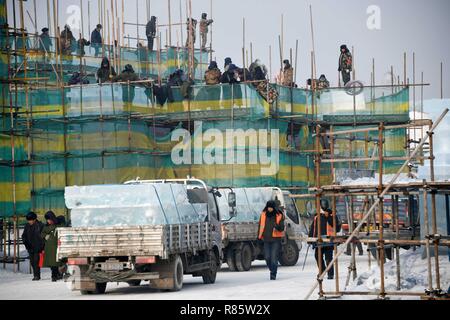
(150, 31)
(96, 39)
(326, 230)
(33, 242)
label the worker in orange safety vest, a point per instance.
(271, 232)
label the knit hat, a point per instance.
(31, 216)
(44, 30)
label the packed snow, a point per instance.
(293, 283)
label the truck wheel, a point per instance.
(134, 283)
(289, 254)
(231, 261)
(209, 276)
(178, 273)
(244, 258)
(100, 288)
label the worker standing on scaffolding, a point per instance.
(44, 41)
(288, 74)
(150, 31)
(345, 64)
(326, 230)
(96, 39)
(33, 242)
(106, 72)
(191, 27)
(67, 40)
(204, 24)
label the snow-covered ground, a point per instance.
(292, 283)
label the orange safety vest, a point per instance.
(262, 225)
(330, 229)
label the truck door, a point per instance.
(215, 220)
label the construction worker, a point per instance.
(127, 75)
(204, 24)
(213, 74)
(81, 43)
(326, 230)
(271, 232)
(323, 83)
(150, 31)
(45, 42)
(288, 75)
(345, 64)
(96, 39)
(106, 72)
(67, 40)
(191, 27)
(33, 242)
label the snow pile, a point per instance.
(387, 178)
(413, 274)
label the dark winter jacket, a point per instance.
(31, 237)
(228, 76)
(77, 79)
(106, 72)
(270, 225)
(345, 61)
(324, 222)
(45, 42)
(96, 37)
(150, 29)
(50, 237)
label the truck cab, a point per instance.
(239, 232)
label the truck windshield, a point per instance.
(249, 203)
(291, 209)
(131, 205)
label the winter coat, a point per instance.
(126, 76)
(212, 76)
(45, 42)
(150, 29)
(204, 24)
(77, 79)
(96, 37)
(105, 73)
(323, 84)
(325, 225)
(80, 46)
(269, 230)
(288, 77)
(67, 40)
(50, 237)
(345, 61)
(31, 237)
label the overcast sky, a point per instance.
(405, 25)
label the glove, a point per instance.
(47, 237)
(347, 70)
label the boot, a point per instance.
(36, 278)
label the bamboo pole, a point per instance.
(375, 204)
(170, 22)
(296, 61)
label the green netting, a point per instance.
(148, 64)
(111, 133)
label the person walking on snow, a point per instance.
(33, 242)
(271, 231)
(326, 230)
